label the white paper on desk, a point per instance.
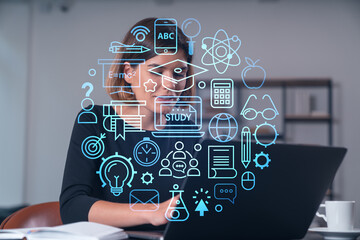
(74, 231)
(97, 230)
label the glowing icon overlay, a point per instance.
(147, 178)
(146, 152)
(248, 180)
(140, 33)
(263, 163)
(115, 77)
(268, 113)
(218, 208)
(179, 158)
(269, 126)
(201, 201)
(223, 127)
(202, 85)
(144, 200)
(87, 117)
(253, 71)
(118, 47)
(245, 146)
(183, 117)
(93, 147)
(221, 162)
(219, 51)
(222, 93)
(116, 171)
(92, 72)
(225, 191)
(173, 84)
(165, 32)
(201, 207)
(150, 85)
(179, 213)
(191, 28)
(120, 123)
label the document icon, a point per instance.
(221, 162)
(144, 200)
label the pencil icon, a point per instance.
(118, 47)
(245, 146)
(134, 49)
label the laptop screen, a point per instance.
(181, 113)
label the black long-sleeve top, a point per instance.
(82, 185)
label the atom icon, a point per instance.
(221, 54)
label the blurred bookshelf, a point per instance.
(307, 118)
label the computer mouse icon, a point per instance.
(248, 180)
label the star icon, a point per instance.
(150, 85)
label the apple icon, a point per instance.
(253, 70)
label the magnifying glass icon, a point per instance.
(191, 28)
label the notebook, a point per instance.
(74, 231)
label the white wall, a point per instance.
(13, 95)
(292, 39)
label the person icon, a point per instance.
(193, 171)
(87, 117)
(179, 154)
(165, 170)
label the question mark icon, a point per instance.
(91, 88)
(90, 116)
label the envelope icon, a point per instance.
(144, 200)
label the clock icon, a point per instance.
(146, 152)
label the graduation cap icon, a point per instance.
(175, 82)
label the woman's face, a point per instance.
(151, 84)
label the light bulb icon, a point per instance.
(114, 174)
(116, 171)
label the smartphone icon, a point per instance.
(165, 34)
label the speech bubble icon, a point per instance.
(225, 191)
(179, 166)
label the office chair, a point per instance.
(39, 215)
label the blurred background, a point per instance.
(309, 49)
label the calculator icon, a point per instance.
(222, 93)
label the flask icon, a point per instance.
(178, 211)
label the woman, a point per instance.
(82, 197)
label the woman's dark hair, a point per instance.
(115, 84)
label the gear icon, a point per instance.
(149, 176)
(262, 154)
(275, 134)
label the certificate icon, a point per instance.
(221, 162)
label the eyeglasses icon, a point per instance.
(268, 113)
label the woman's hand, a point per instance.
(120, 214)
(158, 217)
